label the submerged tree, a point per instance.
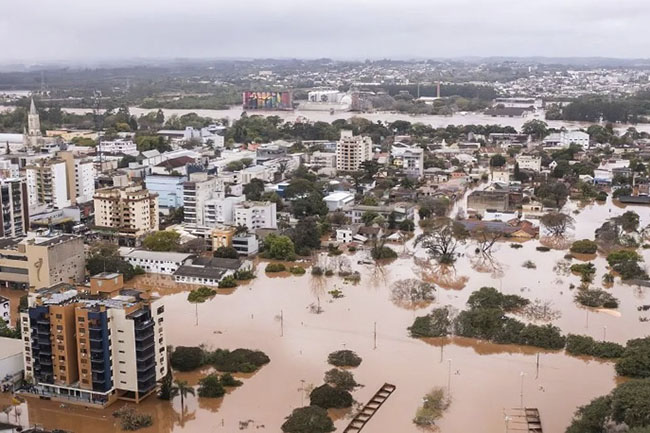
(412, 293)
(442, 240)
(557, 223)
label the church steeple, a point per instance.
(33, 125)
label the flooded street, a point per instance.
(484, 379)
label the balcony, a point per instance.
(143, 325)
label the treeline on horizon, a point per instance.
(594, 108)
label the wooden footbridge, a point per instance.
(526, 420)
(377, 400)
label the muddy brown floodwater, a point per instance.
(484, 379)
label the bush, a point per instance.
(238, 360)
(329, 273)
(626, 263)
(516, 246)
(340, 379)
(543, 249)
(132, 420)
(275, 267)
(210, 387)
(635, 361)
(244, 274)
(317, 271)
(297, 270)
(489, 297)
(228, 282)
(344, 358)
(529, 264)
(545, 336)
(329, 397)
(436, 324)
(226, 253)
(227, 380)
(596, 298)
(584, 246)
(379, 252)
(434, 404)
(185, 358)
(584, 345)
(354, 277)
(601, 196)
(585, 270)
(310, 419)
(201, 294)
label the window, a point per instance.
(59, 316)
(82, 319)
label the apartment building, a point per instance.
(196, 192)
(127, 147)
(47, 184)
(220, 211)
(409, 159)
(130, 211)
(352, 150)
(169, 190)
(80, 177)
(94, 346)
(14, 214)
(256, 215)
(324, 160)
(529, 162)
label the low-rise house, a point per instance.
(372, 233)
(155, 262)
(338, 200)
(207, 271)
(401, 211)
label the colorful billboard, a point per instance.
(267, 101)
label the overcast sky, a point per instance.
(86, 30)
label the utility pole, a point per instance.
(375, 347)
(281, 323)
(521, 395)
(449, 377)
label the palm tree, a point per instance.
(182, 388)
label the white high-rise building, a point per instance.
(352, 150)
(14, 215)
(47, 185)
(220, 211)
(256, 215)
(81, 177)
(199, 192)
